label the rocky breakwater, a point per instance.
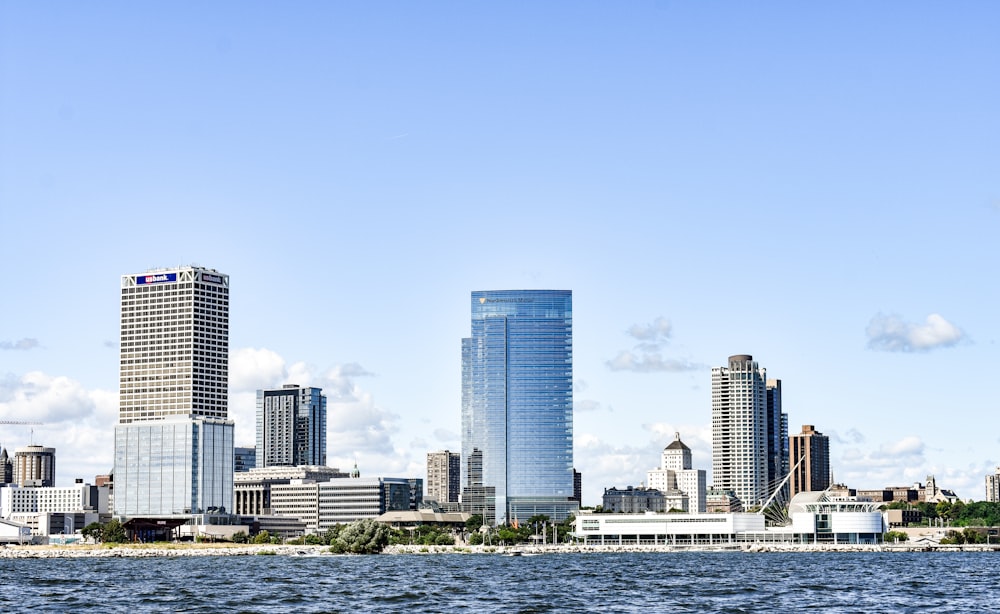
(155, 550)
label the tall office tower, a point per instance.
(739, 429)
(517, 403)
(812, 448)
(993, 487)
(291, 427)
(35, 466)
(777, 438)
(173, 442)
(444, 476)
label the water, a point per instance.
(661, 582)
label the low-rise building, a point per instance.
(815, 518)
(321, 505)
(252, 488)
(634, 500)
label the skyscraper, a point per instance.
(173, 442)
(517, 403)
(739, 429)
(777, 438)
(444, 477)
(291, 427)
(810, 457)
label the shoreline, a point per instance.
(186, 550)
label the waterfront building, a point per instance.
(35, 466)
(517, 404)
(993, 487)
(321, 505)
(810, 458)
(252, 488)
(740, 430)
(815, 519)
(50, 510)
(244, 459)
(173, 440)
(676, 473)
(444, 476)
(291, 427)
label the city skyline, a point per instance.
(842, 157)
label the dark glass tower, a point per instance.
(517, 403)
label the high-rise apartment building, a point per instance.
(810, 458)
(993, 487)
(173, 441)
(291, 427)
(35, 466)
(739, 429)
(444, 476)
(517, 404)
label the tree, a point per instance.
(361, 537)
(473, 523)
(93, 531)
(113, 532)
(240, 537)
(895, 536)
(262, 538)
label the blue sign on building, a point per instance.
(155, 279)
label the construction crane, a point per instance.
(24, 423)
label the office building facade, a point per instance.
(810, 457)
(739, 429)
(517, 403)
(444, 476)
(291, 427)
(173, 440)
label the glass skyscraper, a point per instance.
(517, 403)
(173, 441)
(291, 426)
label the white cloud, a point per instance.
(586, 405)
(891, 333)
(77, 422)
(647, 356)
(254, 368)
(447, 436)
(885, 466)
(658, 331)
(646, 362)
(20, 344)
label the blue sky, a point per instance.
(816, 185)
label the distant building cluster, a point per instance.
(177, 471)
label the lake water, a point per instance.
(662, 582)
